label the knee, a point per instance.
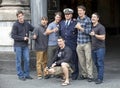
(64, 65)
(51, 71)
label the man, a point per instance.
(98, 46)
(61, 61)
(84, 44)
(53, 32)
(41, 44)
(20, 34)
(69, 33)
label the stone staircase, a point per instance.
(7, 62)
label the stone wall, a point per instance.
(8, 9)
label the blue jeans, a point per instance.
(98, 58)
(22, 53)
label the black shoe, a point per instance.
(29, 77)
(82, 77)
(90, 79)
(98, 81)
(47, 76)
(74, 78)
(22, 78)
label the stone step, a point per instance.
(7, 62)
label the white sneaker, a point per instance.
(39, 78)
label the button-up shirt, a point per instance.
(84, 37)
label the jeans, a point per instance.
(98, 58)
(22, 54)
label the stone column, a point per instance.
(38, 9)
(8, 9)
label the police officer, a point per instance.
(69, 33)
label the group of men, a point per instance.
(63, 46)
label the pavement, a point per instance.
(111, 77)
(11, 81)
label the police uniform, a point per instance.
(69, 33)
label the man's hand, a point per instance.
(78, 26)
(55, 29)
(34, 36)
(53, 65)
(92, 33)
(26, 38)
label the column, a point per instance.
(38, 9)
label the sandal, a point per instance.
(65, 83)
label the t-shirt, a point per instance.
(96, 43)
(52, 40)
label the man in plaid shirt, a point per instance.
(84, 45)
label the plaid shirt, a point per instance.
(84, 37)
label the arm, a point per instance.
(30, 27)
(35, 33)
(48, 31)
(100, 37)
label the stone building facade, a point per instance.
(109, 11)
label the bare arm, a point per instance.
(100, 37)
(48, 31)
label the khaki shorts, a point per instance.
(58, 70)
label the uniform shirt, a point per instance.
(69, 33)
(84, 37)
(96, 43)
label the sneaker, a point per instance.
(82, 77)
(99, 81)
(90, 79)
(39, 77)
(22, 78)
(29, 77)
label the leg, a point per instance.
(100, 62)
(44, 60)
(39, 57)
(18, 51)
(26, 61)
(89, 62)
(74, 61)
(65, 68)
(50, 54)
(81, 59)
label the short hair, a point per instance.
(81, 7)
(58, 13)
(44, 18)
(97, 14)
(19, 12)
(60, 37)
